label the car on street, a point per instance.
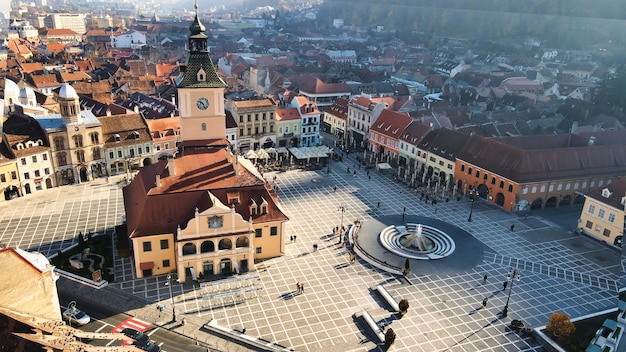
(136, 335)
(148, 346)
(76, 316)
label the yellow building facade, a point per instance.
(602, 216)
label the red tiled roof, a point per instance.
(154, 209)
(285, 114)
(391, 123)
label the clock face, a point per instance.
(215, 222)
(202, 103)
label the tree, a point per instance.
(560, 325)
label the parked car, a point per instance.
(136, 335)
(148, 346)
(75, 315)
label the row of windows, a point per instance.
(80, 156)
(256, 130)
(601, 213)
(37, 173)
(501, 184)
(59, 142)
(34, 159)
(259, 232)
(605, 232)
(256, 117)
(559, 187)
(131, 152)
(3, 176)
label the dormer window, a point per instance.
(253, 209)
(606, 193)
(264, 207)
(233, 197)
(135, 135)
(116, 137)
(624, 201)
(201, 75)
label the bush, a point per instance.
(560, 326)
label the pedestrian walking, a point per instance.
(183, 322)
(334, 231)
(335, 188)
(298, 287)
(301, 288)
(314, 247)
(350, 258)
(512, 227)
(378, 205)
(291, 238)
(485, 279)
(294, 238)
(504, 285)
(485, 302)
(369, 177)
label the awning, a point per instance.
(146, 265)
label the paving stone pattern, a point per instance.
(445, 311)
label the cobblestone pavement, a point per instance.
(560, 271)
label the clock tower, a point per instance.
(200, 94)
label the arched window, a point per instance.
(78, 140)
(242, 241)
(59, 143)
(189, 249)
(225, 243)
(207, 247)
(62, 159)
(95, 138)
(80, 156)
(96, 153)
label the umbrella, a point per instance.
(262, 154)
(250, 154)
(271, 150)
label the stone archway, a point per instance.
(500, 199)
(536, 204)
(83, 174)
(551, 202)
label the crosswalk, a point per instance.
(133, 323)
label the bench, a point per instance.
(392, 302)
(372, 324)
(243, 339)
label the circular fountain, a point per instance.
(416, 241)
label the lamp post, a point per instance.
(513, 273)
(169, 284)
(342, 209)
(472, 196)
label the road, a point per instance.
(104, 319)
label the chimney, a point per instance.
(108, 112)
(158, 181)
(136, 109)
(174, 99)
(170, 166)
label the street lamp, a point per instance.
(169, 284)
(342, 209)
(513, 273)
(472, 196)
